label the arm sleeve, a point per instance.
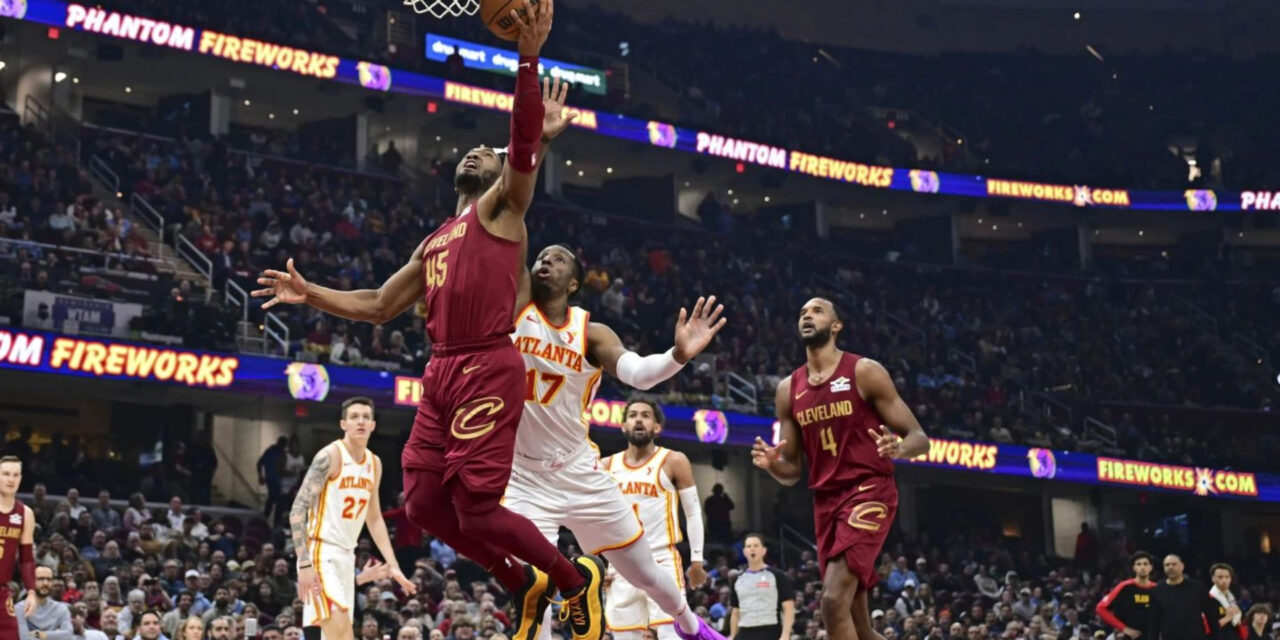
(526, 117)
(1104, 609)
(27, 565)
(645, 372)
(693, 522)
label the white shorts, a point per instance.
(627, 608)
(577, 494)
(336, 572)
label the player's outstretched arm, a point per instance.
(378, 531)
(514, 190)
(323, 467)
(377, 306)
(901, 436)
(693, 333)
(680, 470)
(782, 460)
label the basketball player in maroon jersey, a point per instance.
(458, 457)
(17, 532)
(842, 412)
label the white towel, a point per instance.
(1226, 599)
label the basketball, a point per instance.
(496, 15)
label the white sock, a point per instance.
(635, 563)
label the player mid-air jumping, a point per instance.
(842, 412)
(557, 479)
(458, 457)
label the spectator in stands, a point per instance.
(270, 469)
(192, 629)
(49, 618)
(137, 514)
(1086, 546)
(132, 614)
(718, 508)
(149, 627)
(175, 516)
(81, 631)
(105, 517)
(1258, 622)
(174, 618)
(111, 625)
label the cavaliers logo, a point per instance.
(374, 76)
(924, 181)
(1201, 199)
(471, 421)
(869, 516)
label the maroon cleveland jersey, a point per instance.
(833, 420)
(470, 277)
(10, 537)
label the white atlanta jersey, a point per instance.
(338, 516)
(654, 495)
(559, 384)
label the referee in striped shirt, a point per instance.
(763, 599)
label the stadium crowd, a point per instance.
(1110, 125)
(201, 577)
(973, 346)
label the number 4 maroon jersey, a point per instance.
(833, 420)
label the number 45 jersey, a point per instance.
(559, 384)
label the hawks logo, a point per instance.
(469, 421)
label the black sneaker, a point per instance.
(530, 603)
(583, 608)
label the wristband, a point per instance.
(304, 566)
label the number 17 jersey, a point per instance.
(833, 420)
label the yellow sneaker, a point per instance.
(583, 609)
(530, 604)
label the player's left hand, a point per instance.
(555, 120)
(373, 571)
(697, 575)
(408, 586)
(31, 601)
(695, 331)
(888, 443)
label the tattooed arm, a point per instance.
(323, 467)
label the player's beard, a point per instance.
(640, 437)
(468, 183)
(819, 338)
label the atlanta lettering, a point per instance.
(353, 482)
(551, 352)
(648, 489)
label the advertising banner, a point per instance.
(504, 61)
(377, 77)
(73, 314)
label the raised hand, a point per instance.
(695, 331)
(555, 120)
(888, 443)
(288, 287)
(406, 585)
(534, 22)
(763, 455)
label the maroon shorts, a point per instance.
(853, 525)
(465, 429)
(8, 619)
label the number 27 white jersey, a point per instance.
(559, 383)
(339, 514)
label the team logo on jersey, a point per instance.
(468, 420)
(868, 516)
(15, 518)
(840, 384)
(569, 336)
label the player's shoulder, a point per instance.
(673, 457)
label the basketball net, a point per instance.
(442, 8)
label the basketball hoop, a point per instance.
(442, 8)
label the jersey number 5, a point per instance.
(828, 440)
(437, 269)
(553, 380)
(352, 508)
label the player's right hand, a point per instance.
(697, 575)
(373, 571)
(534, 26)
(763, 455)
(287, 287)
(31, 602)
(308, 585)
(1131, 632)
